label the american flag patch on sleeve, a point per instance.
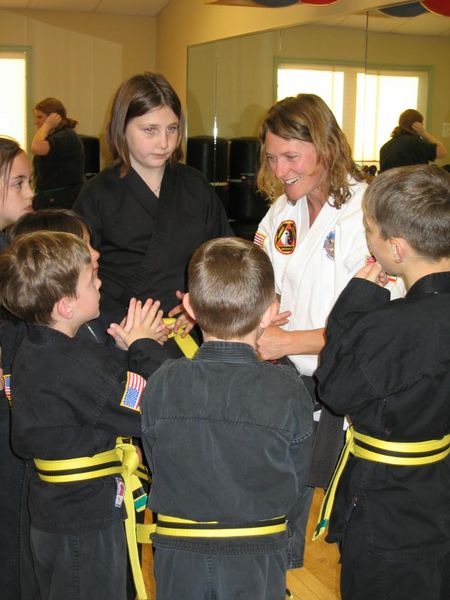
(259, 239)
(133, 392)
(7, 386)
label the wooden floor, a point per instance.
(317, 580)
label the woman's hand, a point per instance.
(272, 344)
(281, 318)
(183, 319)
(53, 120)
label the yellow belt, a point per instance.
(177, 527)
(187, 344)
(404, 454)
(122, 460)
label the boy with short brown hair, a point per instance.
(228, 440)
(387, 366)
(70, 402)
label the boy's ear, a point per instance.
(187, 306)
(269, 314)
(63, 309)
(400, 249)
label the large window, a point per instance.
(365, 102)
(13, 94)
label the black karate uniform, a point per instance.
(59, 174)
(145, 242)
(228, 438)
(387, 366)
(404, 149)
(66, 403)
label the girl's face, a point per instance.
(16, 194)
(39, 117)
(152, 139)
(94, 254)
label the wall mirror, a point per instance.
(368, 67)
(232, 82)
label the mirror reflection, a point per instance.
(367, 67)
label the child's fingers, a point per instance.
(127, 322)
(370, 271)
(146, 307)
(151, 315)
(118, 335)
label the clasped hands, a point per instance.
(145, 321)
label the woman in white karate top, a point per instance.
(314, 235)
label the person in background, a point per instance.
(16, 198)
(58, 156)
(410, 143)
(148, 212)
(314, 236)
(228, 440)
(16, 195)
(387, 366)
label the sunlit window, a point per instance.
(328, 84)
(366, 104)
(13, 95)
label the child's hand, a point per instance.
(373, 272)
(142, 322)
(183, 319)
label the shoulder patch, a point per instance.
(134, 387)
(286, 237)
(7, 386)
(329, 245)
(259, 239)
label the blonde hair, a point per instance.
(307, 118)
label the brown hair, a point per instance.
(37, 270)
(406, 120)
(307, 118)
(53, 105)
(9, 149)
(231, 284)
(50, 219)
(413, 203)
(135, 97)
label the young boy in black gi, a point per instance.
(70, 401)
(387, 366)
(228, 440)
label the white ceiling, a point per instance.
(148, 8)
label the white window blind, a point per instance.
(366, 103)
(13, 95)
